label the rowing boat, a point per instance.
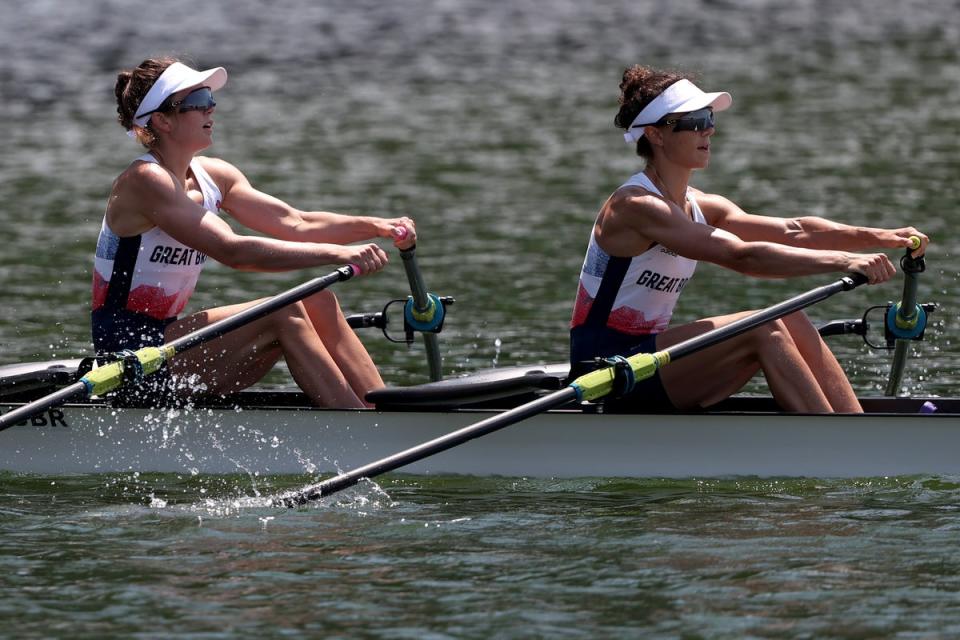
(260, 433)
(58, 417)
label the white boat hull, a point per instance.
(101, 439)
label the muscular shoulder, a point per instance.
(632, 202)
(715, 207)
(625, 222)
(636, 209)
(216, 166)
(144, 180)
(143, 187)
(223, 173)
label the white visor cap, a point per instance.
(176, 77)
(680, 97)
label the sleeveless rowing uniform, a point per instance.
(142, 283)
(623, 302)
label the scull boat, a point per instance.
(437, 426)
(263, 433)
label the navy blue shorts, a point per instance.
(119, 329)
(589, 343)
(116, 330)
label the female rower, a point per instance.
(653, 229)
(162, 221)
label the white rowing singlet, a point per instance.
(633, 295)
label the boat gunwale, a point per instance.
(273, 401)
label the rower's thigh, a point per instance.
(708, 376)
(232, 361)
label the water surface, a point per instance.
(491, 124)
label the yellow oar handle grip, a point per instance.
(914, 242)
(108, 377)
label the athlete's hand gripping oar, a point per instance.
(427, 311)
(590, 386)
(149, 359)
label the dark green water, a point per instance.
(491, 124)
(466, 557)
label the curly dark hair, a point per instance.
(639, 86)
(132, 87)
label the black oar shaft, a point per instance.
(432, 447)
(421, 301)
(558, 398)
(569, 394)
(76, 390)
(908, 313)
(259, 310)
(754, 320)
(908, 310)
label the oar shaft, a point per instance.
(906, 312)
(421, 302)
(417, 289)
(260, 310)
(897, 366)
(430, 448)
(589, 386)
(908, 300)
(907, 315)
(59, 397)
(764, 316)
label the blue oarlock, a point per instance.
(900, 325)
(426, 320)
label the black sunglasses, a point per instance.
(699, 120)
(200, 99)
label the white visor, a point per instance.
(176, 77)
(681, 97)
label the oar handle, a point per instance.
(907, 308)
(906, 320)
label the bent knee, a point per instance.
(801, 327)
(292, 316)
(323, 303)
(325, 298)
(774, 333)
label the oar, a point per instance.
(590, 386)
(149, 359)
(427, 310)
(906, 320)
